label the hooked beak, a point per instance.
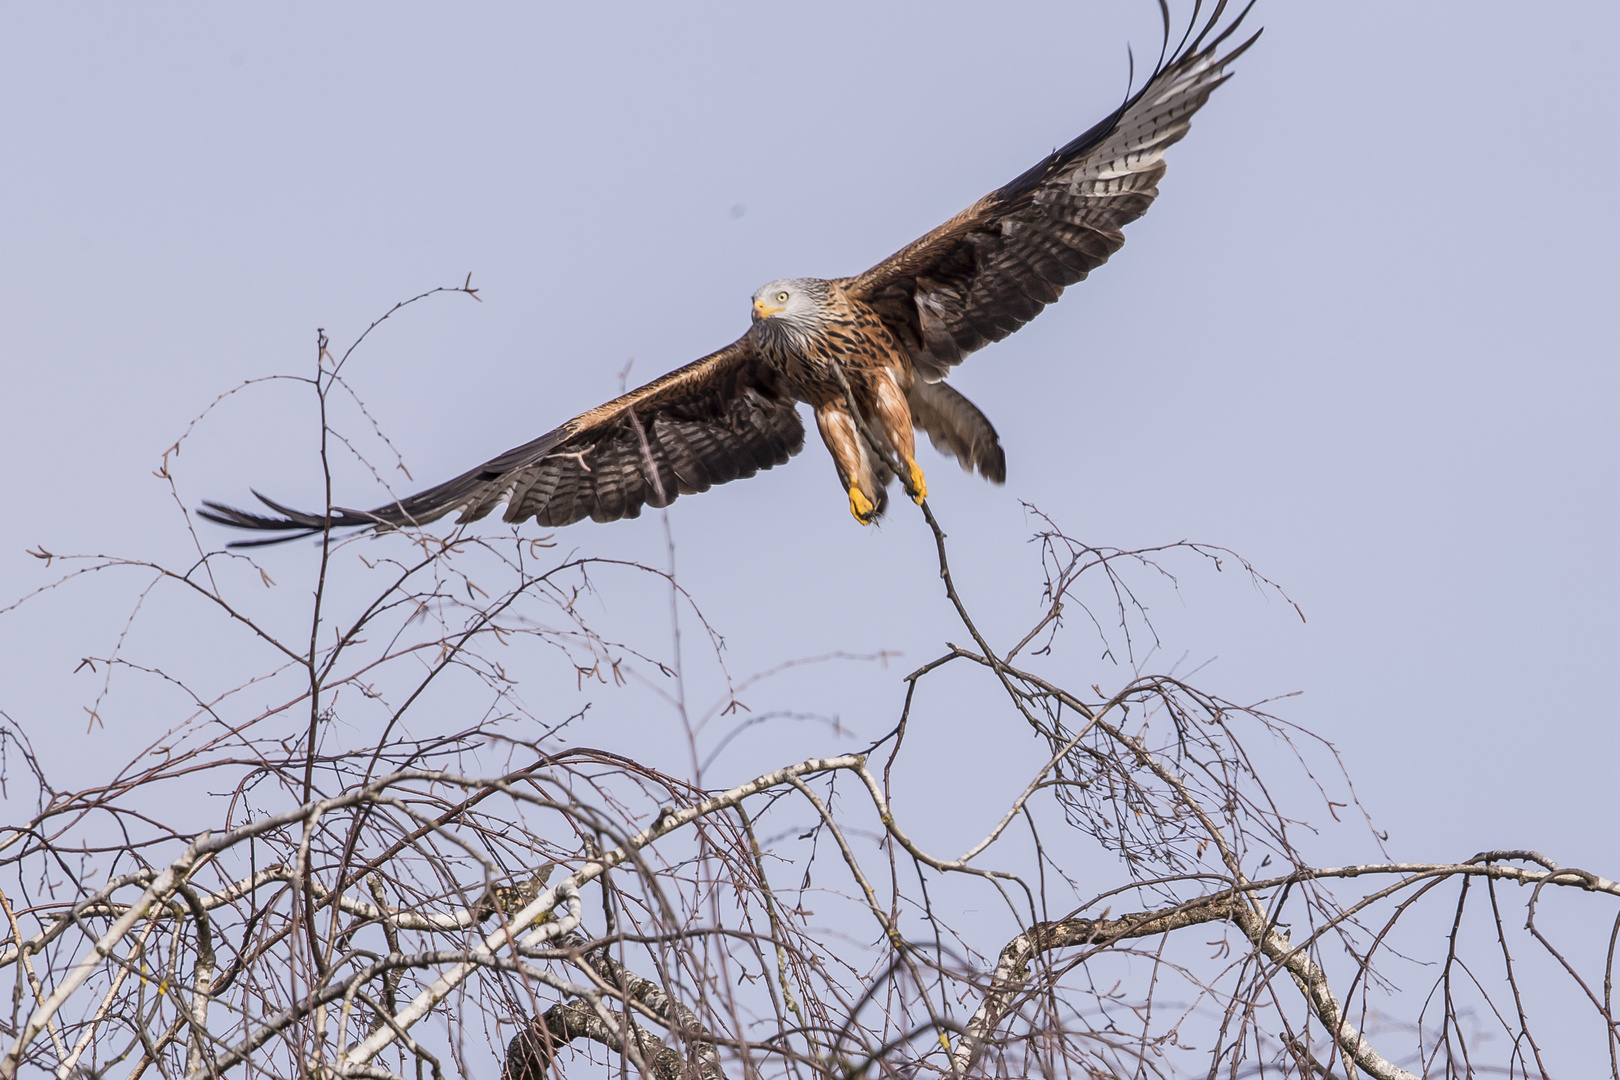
(762, 311)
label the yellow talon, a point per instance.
(860, 506)
(919, 486)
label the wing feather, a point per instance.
(995, 266)
(717, 419)
(690, 476)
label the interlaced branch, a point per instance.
(391, 840)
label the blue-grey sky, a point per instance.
(1365, 338)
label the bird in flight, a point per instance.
(868, 353)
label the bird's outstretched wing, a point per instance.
(993, 267)
(717, 419)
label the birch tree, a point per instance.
(375, 900)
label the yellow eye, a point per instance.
(781, 298)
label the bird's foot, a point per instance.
(919, 486)
(861, 506)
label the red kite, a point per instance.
(883, 340)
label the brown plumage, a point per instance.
(894, 332)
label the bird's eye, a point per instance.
(781, 298)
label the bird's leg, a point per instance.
(843, 440)
(893, 412)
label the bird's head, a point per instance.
(794, 301)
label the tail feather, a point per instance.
(956, 427)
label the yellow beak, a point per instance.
(761, 311)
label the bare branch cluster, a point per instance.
(374, 857)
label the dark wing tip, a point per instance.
(295, 523)
(1196, 46)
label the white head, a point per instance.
(793, 304)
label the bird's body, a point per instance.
(868, 354)
(846, 335)
(837, 355)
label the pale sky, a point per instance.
(1364, 338)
